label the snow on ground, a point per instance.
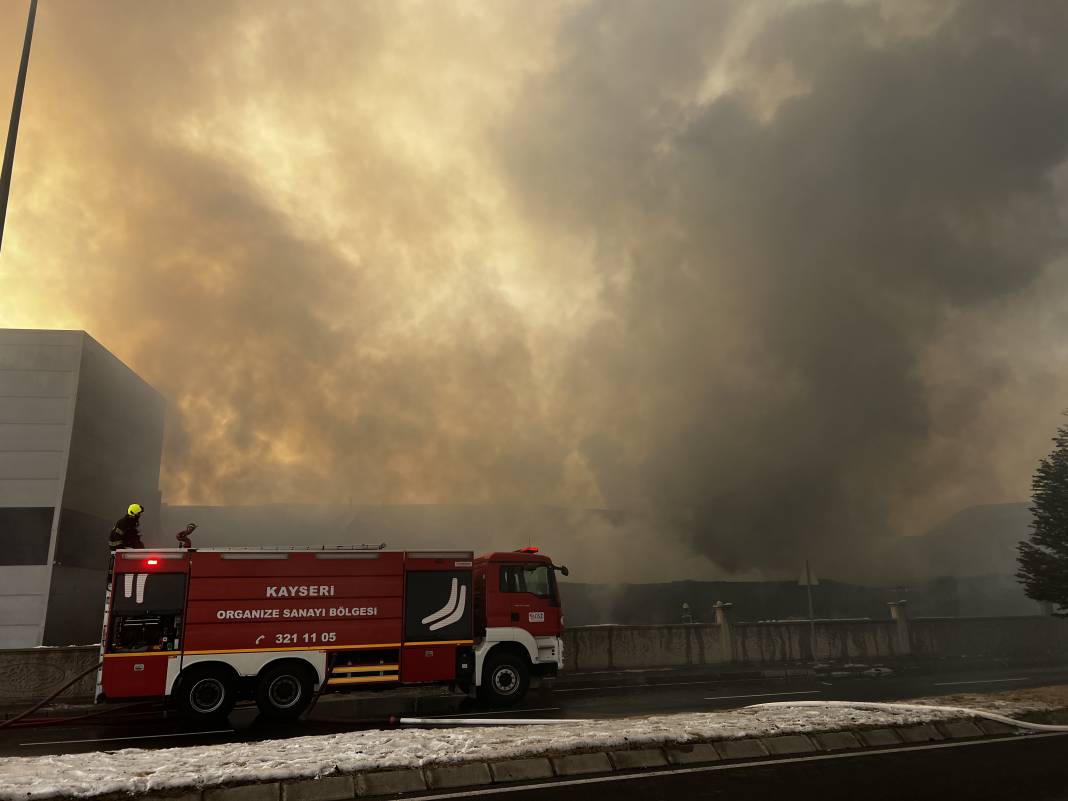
(137, 770)
(1007, 702)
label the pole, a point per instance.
(16, 113)
(811, 617)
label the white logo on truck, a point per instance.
(301, 591)
(128, 586)
(452, 611)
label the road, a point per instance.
(152, 730)
(1014, 769)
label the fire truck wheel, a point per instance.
(206, 694)
(284, 691)
(505, 678)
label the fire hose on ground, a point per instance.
(866, 705)
(39, 704)
(889, 707)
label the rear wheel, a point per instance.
(206, 694)
(505, 679)
(284, 691)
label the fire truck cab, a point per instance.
(207, 627)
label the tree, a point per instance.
(1044, 555)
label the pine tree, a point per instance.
(1044, 555)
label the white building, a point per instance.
(80, 439)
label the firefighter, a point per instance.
(126, 533)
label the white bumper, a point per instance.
(540, 650)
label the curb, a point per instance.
(531, 769)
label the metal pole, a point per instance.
(811, 617)
(16, 113)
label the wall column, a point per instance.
(723, 620)
(901, 618)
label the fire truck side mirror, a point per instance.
(564, 571)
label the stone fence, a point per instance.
(1034, 639)
(29, 674)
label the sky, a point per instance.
(784, 277)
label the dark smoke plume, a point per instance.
(773, 279)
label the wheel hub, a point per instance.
(505, 680)
(284, 692)
(207, 695)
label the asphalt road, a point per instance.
(150, 729)
(1014, 769)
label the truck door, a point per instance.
(529, 598)
(144, 631)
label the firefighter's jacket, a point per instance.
(126, 534)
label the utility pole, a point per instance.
(809, 580)
(811, 616)
(16, 113)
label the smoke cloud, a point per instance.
(784, 278)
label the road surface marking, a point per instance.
(495, 712)
(984, 681)
(757, 763)
(761, 695)
(639, 686)
(136, 737)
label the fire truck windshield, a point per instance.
(535, 579)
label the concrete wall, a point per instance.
(115, 450)
(1037, 639)
(38, 387)
(80, 438)
(22, 603)
(30, 674)
(622, 647)
(836, 640)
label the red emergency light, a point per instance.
(152, 561)
(529, 549)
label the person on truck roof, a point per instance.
(127, 532)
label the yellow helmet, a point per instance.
(134, 509)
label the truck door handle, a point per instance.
(515, 617)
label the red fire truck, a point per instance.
(209, 626)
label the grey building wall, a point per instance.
(80, 438)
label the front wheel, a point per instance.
(505, 679)
(284, 692)
(206, 694)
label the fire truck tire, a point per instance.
(284, 691)
(505, 678)
(206, 693)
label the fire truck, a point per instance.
(206, 627)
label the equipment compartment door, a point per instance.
(438, 607)
(136, 675)
(420, 663)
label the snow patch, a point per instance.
(137, 770)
